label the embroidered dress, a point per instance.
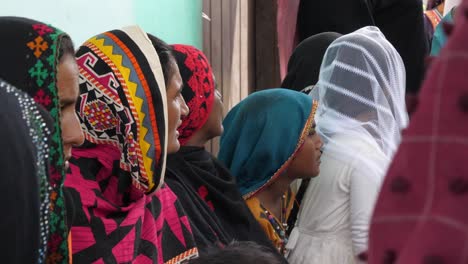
(271, 225)
(123, 211)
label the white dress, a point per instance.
(333, 222)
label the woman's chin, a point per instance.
(173, 146)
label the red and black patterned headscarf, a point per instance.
(29, 60)
(199, 88)
(207, 191)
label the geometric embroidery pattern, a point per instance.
(100, 116)
(123, 218)
(199, 88)
(120, 77)
(38, 45)
(33, 52)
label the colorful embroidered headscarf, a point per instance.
(25, 137)
(121, 215)
(262, 135)
(29, 60)
(421, 214)
(199, 88)
(123, 103)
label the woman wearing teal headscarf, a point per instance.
(440, 38)
(270, 141)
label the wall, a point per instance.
(175, 21)
(228, 42)
(172, 20)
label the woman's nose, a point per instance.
(72, 132)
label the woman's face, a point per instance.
(68, 91)
(214, 124)
(176, 108)
(306, 164)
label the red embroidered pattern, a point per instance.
(100, 116)
(132, 151)
(203, 192)
(42, 98)
(42, 29)
(200, 81)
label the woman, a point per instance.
(26, 136)
(362, 111)
(130, 107)
(421, 214)
(304, 64)
(270, 141)
(39, 59)
(401, 21)
(303, 73)
(432, 17)
(440, 37)
(205, 188)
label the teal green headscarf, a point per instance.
(262, 135)
(440, 38)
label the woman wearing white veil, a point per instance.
(362, 112)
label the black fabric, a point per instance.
(19, 183)
(401, 21)
(211, 199)
(304, 64)
(19, 224)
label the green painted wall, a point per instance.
(175, 21)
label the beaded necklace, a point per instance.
(280, 226)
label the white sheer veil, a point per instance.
(361, 94)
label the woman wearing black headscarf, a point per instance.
(39, 59)
(304, 64)
(401, 21)
(206, 189)
(25, 139)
